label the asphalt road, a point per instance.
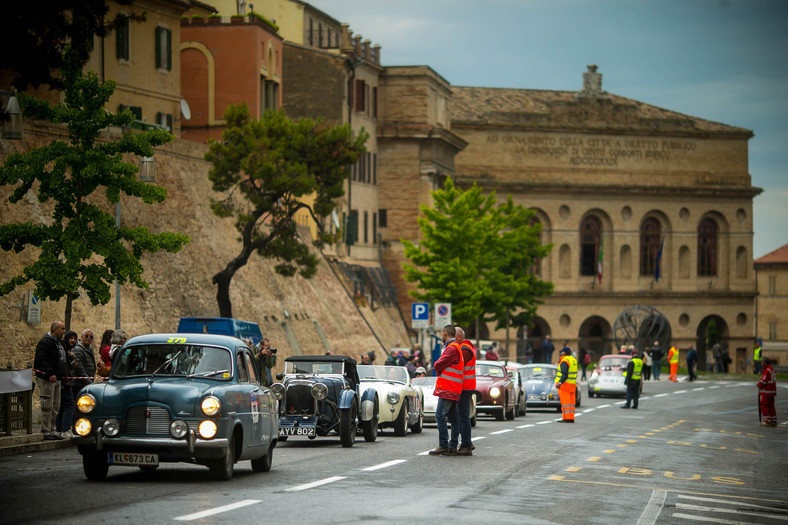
(693, 452)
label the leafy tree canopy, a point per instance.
(80, 248)
(270, 169)
(477, 256)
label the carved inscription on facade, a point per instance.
(593, 151)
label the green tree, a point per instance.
(80, 248)
(477, 256)
(271, 168)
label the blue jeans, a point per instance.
(65, 415)
(656, 368)
(633, 394)
(446, 408)
(463, 427)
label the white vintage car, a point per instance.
(427, 385)
(399, 403)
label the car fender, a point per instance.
(346, 398)
(368, 402)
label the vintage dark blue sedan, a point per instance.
(178, 397)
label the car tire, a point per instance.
(95, 466)
(473, 421)
(347, 425)
(521, 409)
(222, 469)
(283, 438)
(264, 462)
(578, 398)
(401, 423)
(500, 415)
(511, 414)
(590, 393)
(416, 429)
(370, 428)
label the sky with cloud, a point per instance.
(721, 60)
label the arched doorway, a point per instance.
(595, 336)
(535, 336)
(712, 328)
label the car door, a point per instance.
(260, 405)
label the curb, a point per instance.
(24, 443)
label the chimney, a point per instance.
(592, 84)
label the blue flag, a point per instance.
(657, 273)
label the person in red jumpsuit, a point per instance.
(767, 391)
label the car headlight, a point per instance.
(495, 391)
(319, 391)
(211, 406)
(279, 390)
(111, 427)
(393, 397)
(207, 429)
(83, 427)
(86, 403)
(179, 428)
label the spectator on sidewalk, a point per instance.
(50, 367)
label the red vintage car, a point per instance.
(495, 391)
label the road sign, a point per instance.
(420, 314)
(33, 308)
(442, 314)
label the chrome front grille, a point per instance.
(148, 420)
(299, 401)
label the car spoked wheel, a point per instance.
(263, 464)
(416, 429)
(347, 425)
(370, 428)
(95, 466)
(222, 468)
(401, 423)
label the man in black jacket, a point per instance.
(50, 368)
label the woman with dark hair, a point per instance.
(66, 413)
(104, 347)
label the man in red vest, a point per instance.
(767, 391)
(448, 388)
(463, 429)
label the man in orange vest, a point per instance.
(468, 389)
(566, 383)
(673, 361)
(448, 387)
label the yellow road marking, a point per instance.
(594, 458)
(647, 487)
(649, 433)
(573, 469)
(608, 451)
(632, 440)
(556, 478)
(622, 445)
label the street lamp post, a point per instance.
(13, 128)
(147, 174)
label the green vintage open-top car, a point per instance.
(178, 397)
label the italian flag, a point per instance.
(599, 259)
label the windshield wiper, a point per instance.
(209, 373)
(167, 362)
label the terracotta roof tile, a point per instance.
(780, 255)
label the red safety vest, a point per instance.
(451, 377)
(469, 367)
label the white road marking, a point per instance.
(545, 422)
(314, 484)
(384, 465)
(504, 431)
(706, 518)
(525, 426)
(717, 510)
(661, 395)
(588, 410)
(714, 386)
(479, 438)
(701, 388)
(217, 510)
(727, 502)
(603, 406)
(653, 508)
(680, 392)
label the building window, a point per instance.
(649, 245)
(383, 218)
(375, 102)
(707, 248)
(164, 120)
(350, 93)
(366, 227)
(374, 168)
(772, 285)
(772, 330)
(136, 110)
(360, 102)
(122, 40)
(163, 48)
(374, 228)
(590, 236)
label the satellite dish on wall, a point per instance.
(186, 112)
(335, 217)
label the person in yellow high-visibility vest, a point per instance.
(566, 383)
(673, 361)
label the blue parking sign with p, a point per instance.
(420, 314)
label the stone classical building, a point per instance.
(660, 201)
(771, 322)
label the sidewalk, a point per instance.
(24, 443)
